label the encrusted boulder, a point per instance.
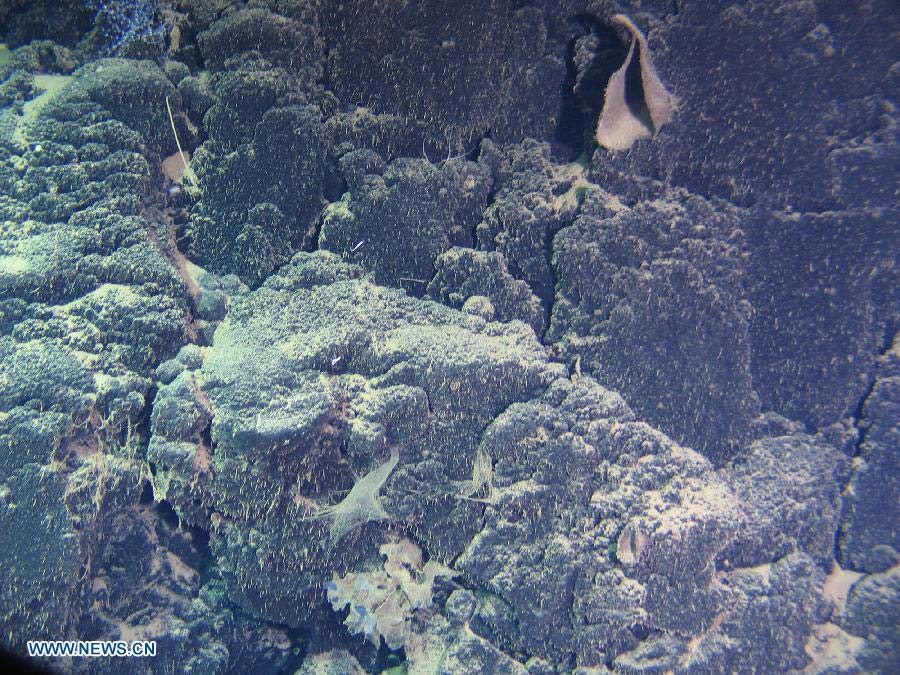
(869, 538)
(645, 295)
(594, 523)
(396, 222)
(338, 409)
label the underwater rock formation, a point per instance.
(645, 295)
(89, 306)
(869, 538)
(824, 300)
(397, 219)
(613, 525)
(417, 375)
(261, 167)
(790, 487)
(533, 199)
(405, 59)
(301, 361)
(464, 274)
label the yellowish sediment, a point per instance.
(51, 85)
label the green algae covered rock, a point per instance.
(322, 385)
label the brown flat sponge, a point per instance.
(625, 117)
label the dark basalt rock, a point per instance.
(313, 381)
(645, 420)
(406, 60)
(261, 169)
(644, 296)
(790, 487)
(403, 217)
(534, 198)
(869, 539)
(823, 298)
(595, 524)
(91, 305)
(872, 613)
(463, 273)
(768, 98)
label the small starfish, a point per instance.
(361, 505)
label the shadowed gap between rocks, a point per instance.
(583, 91)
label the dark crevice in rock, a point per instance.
(591, 59)
(859, 411)
(550, 300)
(142, 429)
(634, 93)
(166, 512)
(146, 494)
(838, 535)
(861, 433)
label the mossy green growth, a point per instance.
(613, 548)
(580, 193)
(584, 159)
(50, 85)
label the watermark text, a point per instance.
(91, 648)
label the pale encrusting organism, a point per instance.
(623, 120)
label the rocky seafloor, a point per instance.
(339, 337)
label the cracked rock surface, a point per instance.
(331, 341)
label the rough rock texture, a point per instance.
(406, 60)
(463, 273)
(774, 609)
(872, 613)
(313, 382)
(388, 135)
(42, 573)
(90, 304)
(533, 200)
(645, 420)
(788, 107)
(19, 77)
(261, 169)
(771, 608)
(146, 577)
(65, 20)
(824, 297)
(869, 539)
(790, 487)
(334, 662)
(651, 302)
(401, 218)
(614, 526)
(752, 105)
